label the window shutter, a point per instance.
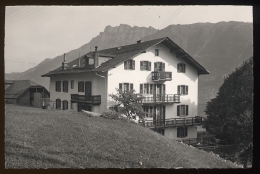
(131, 87)
(149, 66)
(178, 110)
(133, 64)
(178, 67)
(186, 90)
(141, 65)
(120, 86)
(186, 131)
(163, 67)
(125, 65)
(147, 88)
(78, 86)
(184, 68)
(187, 109)
(178, 132)
(179, 92)
(141, 88)
(155, 66)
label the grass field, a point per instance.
(39, 138)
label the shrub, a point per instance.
(109, 114)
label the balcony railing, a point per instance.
(173, 122)
(93, 99)
(161, 98)
(161, 76)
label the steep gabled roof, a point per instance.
(122, 53)
(18, 87)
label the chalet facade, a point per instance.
(26, 92)
(158, 69)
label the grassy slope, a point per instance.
(37, 138)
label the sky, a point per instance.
(34, 33)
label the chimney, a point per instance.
(139, 41)
(64, 64)
(96, 57)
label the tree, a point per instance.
(128, 104)
(230, 114)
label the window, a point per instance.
(65, 86)
(58, 104)
(58, 86)
(182, 110)
(183, 89)
(182, 132)
(148, 111)
(181, 67)
(126, 87)
(146, 88)
(72, 84)
(129, 64)
(160, 131)
(159, 66)
(80, 86)
(90, 61)
(65, 104)
(156, 52)
(145, 65)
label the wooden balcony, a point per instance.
(161, 76)
(161, 99)
(93, 99)
(173, 122)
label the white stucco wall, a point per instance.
(98, 88)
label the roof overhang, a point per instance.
(180, 53)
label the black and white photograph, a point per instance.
(124, 87)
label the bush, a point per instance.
(109, 114)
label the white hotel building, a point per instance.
(158, 69)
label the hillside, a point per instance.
(219, 47)
(38, 138)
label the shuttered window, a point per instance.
(145, 65)
(159, 66)
(58, 104)
(182, 89)
(65, 86)
(182, 110)
(80, 86)
(58, 86)
(126, 87)
(129, 65)
(72, 84)
(181, 68)
(182, 132)
(65, 104)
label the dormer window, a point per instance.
(90, 61)
(156, 52)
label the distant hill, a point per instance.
(219, 47)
